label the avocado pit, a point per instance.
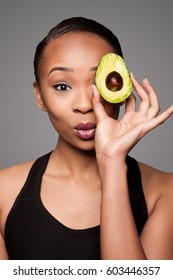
(114, 81)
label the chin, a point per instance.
(86, 146)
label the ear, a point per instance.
(38, 96)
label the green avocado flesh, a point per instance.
(113, 79)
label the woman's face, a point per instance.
(67, 73)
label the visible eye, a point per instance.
(62, 87)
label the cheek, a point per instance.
(56, 107)
(58, 117)
(58, 121)
(56, 113)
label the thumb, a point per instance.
(97, 105)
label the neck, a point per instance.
(73, 161)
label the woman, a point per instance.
(87, 199)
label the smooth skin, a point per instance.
(90, 175)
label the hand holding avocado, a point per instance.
(116, 138)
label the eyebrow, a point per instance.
(68, 69)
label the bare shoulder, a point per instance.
(16, 172)
(13, 178)
(156, 184)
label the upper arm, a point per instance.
(3, 251)
(157, 235)
(3, 202)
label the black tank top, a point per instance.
(32, 233)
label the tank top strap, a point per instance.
(136, 194)
(32, 185)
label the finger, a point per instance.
(154, 108)
(144, 104)
(160, 119)
(97, 105)
(130, 104)
(165, 115)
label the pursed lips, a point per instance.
(85, 131)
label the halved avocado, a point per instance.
(113, 79)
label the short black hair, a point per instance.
(75, 24)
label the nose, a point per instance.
(82, 101)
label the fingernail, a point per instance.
(132, 75)
(146, 81)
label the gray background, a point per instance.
(145, 32)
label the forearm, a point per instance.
(119, 237)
